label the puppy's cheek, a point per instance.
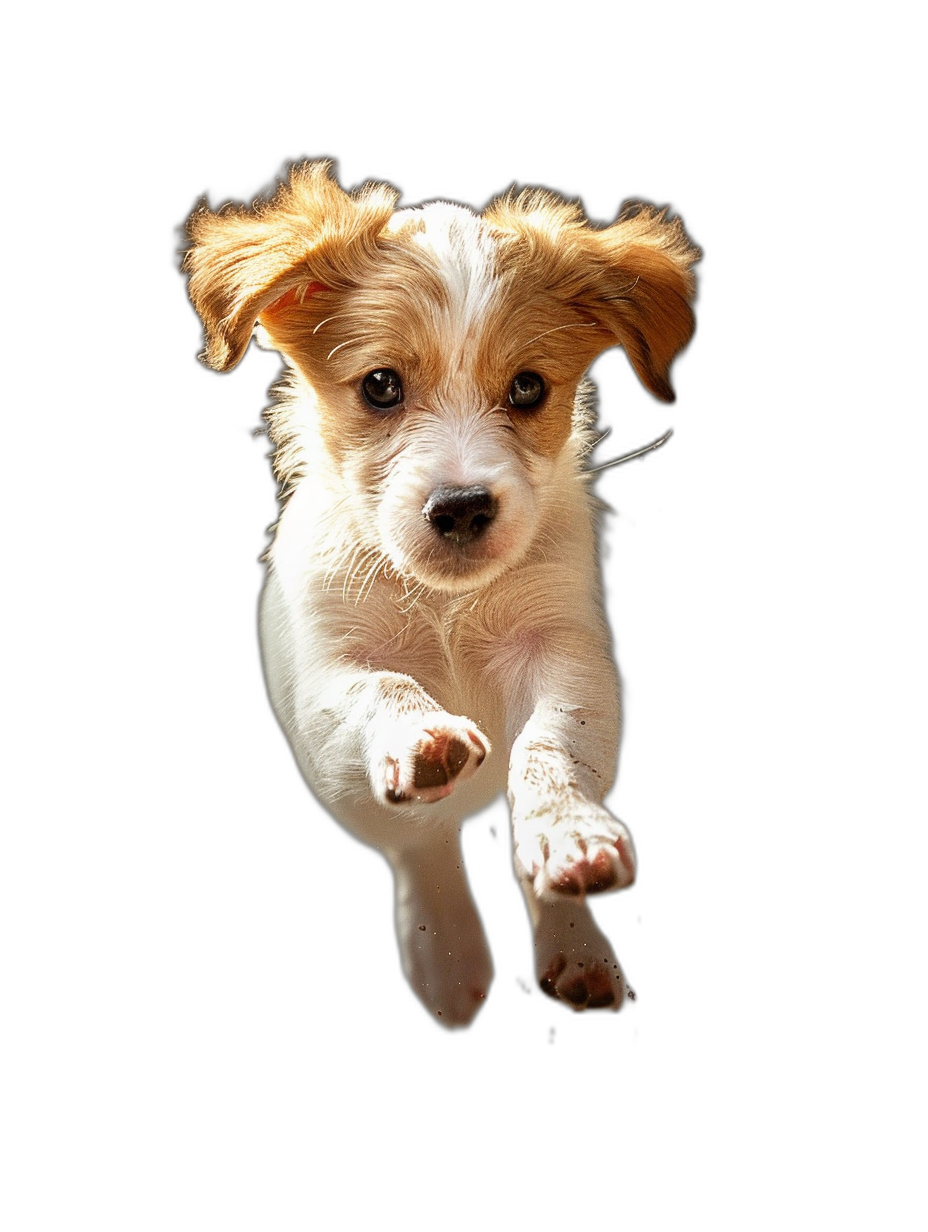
(545, 434)
(397, 530)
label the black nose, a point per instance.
(460, 514)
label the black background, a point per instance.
(269, 948)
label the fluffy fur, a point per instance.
(431, 624)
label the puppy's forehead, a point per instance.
(460, 246)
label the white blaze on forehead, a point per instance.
(463, 250)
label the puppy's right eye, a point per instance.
(382, 389)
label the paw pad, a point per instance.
(440, 761)
(588, 985)
(429, 756)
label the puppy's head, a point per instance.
(436, 353)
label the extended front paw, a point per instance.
(423, 757)
(573, 847)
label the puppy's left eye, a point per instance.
(382, 389)
(527, 390)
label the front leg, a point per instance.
(565, 841)
(356, 731)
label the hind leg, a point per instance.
(574, 962)
(442, 943)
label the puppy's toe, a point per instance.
(583, 864)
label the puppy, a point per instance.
(432, 623)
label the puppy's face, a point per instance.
(446, 384)
(443, 349)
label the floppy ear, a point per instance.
(647, 290)
(633, 279)
(242, 261)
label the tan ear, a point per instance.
(633, 279)
(244, 259)
(649, 290)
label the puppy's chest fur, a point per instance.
(457, 648)
(477, 653)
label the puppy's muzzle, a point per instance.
(460, 515)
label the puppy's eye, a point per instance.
(527, 390)
(382, 389)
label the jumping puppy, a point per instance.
(432, 624)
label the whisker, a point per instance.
(637, 453)
(572, 325)
(368, 582)
(620, 295)
(347, 342)
(317, 328)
